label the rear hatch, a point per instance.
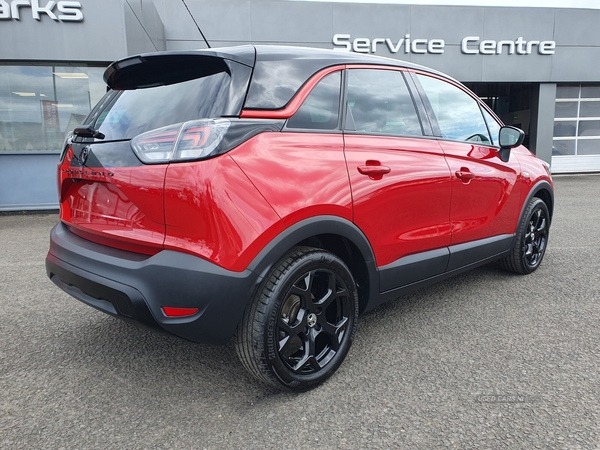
(160, 106)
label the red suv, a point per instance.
(271, 194)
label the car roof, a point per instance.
(277, 72)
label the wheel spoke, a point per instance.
(283, 343)
(542, 226)
(334, 291)
(326, 299)
(294, 328)
(312, 349)
(535, 218)
(302, 288)
(335, 332)
(302, 361)
(309, 354)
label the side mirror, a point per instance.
(509, 137)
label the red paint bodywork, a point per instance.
(120, 206)
(228, 208)
(488, 204)
(407, 210)
(212, 210)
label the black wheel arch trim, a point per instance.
(542, 185)
(315, 226)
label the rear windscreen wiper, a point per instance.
(88, 131)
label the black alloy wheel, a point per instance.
(314, 319)
(300, 326)
(536, 238)
(531, 239)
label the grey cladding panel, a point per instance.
(177, 45)
(29, 39)
(516, 68)
(451, 23)
(577, 27)
(16, 187)
(510, 23)
(223, 20)
(545, 121)
(372, 21)
(276, 22)
(178, 23)
(462, 67)
(136, 6)
(137, 39)
(576, 64)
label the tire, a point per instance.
(531, 239)
(299, 327)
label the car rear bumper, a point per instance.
(135, 287)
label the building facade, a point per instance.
(536, 67)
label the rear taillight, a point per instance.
(196, 139)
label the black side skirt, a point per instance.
(423, 269)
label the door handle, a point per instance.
(464, 174)
(373, 169)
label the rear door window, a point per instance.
(379, 103)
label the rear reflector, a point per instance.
(171, 311)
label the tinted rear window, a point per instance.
(134, 112)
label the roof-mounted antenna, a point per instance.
(197, 26)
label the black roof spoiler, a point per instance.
(163, 68)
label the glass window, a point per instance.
(563, 147)
(457, 113)
(581, 135)
(493, 126)
(565, 128)
(565, 109)
(137, 111)
(40, 103)
(590, 91)
(589, 128)
(589, 109)
(320, 110)
(567, 91)
(379, 102)
(588, 147)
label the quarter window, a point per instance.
(320, 110)
(379, 102)
(457, 113)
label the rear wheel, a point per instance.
(301, 322)
(531, 239)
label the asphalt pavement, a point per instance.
(485, 360)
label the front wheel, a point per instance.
(531, 239)
(301, 322)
